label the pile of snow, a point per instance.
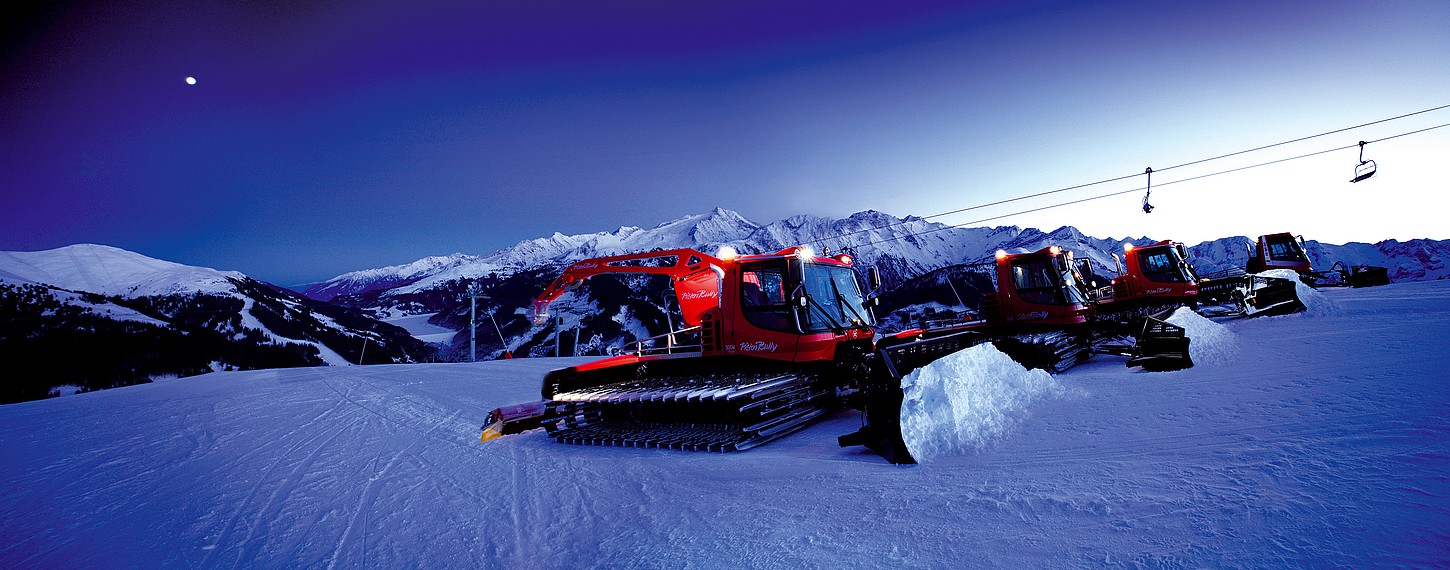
(962, 402)
(1315, 303)
(1209, 343)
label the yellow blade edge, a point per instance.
(492, 431)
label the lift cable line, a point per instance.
(1131, 190)
(1134, 175)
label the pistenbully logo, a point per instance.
(696, 295)
(758, 346)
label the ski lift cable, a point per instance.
(1125, 177)
(1135, 190)
(1301, 139)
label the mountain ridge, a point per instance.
(903, 249)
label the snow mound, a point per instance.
(1315, 303)
(964, 401)
(1208, 342)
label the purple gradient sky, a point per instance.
(327, 137)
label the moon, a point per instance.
(191, 81)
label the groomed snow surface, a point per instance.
(1325, 442)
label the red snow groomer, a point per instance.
(1157, 274)
(771, 343)
(1250, 293)
(1287, 251)
(1279, 251)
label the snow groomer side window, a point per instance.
(763, 296)
(1036, 283)
(1047, 281)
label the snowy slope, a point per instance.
(1324, 444)
(84, 300)
(113, 271)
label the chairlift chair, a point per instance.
(1365, 169)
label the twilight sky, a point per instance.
(324, 137)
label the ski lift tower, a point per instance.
(474, 292)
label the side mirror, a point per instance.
(1117, 264)
(873, 277)
(1182, 251)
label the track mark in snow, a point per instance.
(310, 435)
(271, 511)
(368, 497)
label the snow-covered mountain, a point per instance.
(708, 230)
(902, 248)
(111, 271)
(137, 318)
(389, 277)
(1414, 260)
(875, 238)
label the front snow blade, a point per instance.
(880, 395)
(1161, 346)
(1261, 295)
(517, 418)
(1368, 276)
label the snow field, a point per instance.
(421, 329)
(965, 401)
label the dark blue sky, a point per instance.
(327, 137)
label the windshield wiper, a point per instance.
(841, 302)
(835, 326)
